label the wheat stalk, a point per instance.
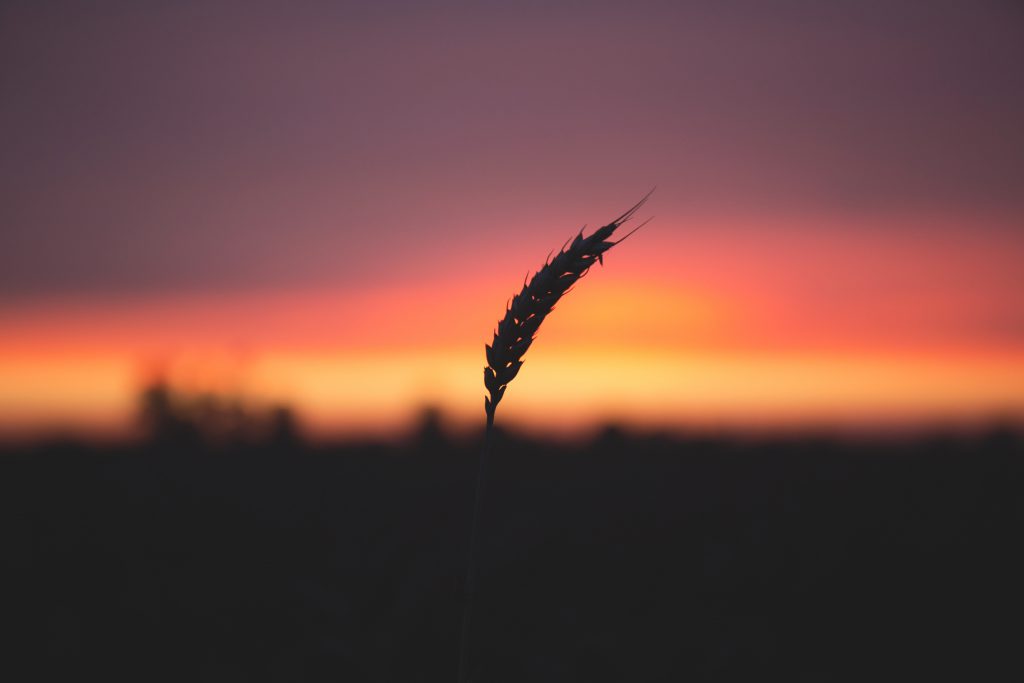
(512, 337)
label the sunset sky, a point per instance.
(328, 205)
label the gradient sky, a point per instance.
(328, 204)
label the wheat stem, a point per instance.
(469, 588)
(512, 337)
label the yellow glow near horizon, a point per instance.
(559, 390)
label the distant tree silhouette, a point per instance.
(163, 422)
(178, 420)
(429, 434)
(284, 432)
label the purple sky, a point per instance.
(224, 146)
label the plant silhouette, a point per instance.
(512, 338)
(528, 309)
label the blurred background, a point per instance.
(251, 253)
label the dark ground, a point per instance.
(625, 559)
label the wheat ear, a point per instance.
(517, 330)
(513, 336)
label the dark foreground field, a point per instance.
(620, 560)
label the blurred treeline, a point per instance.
(223, 547)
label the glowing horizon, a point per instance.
(684, 328)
